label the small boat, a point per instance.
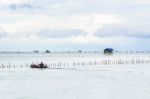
(38, 66)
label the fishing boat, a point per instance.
(41, 65)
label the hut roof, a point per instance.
(109, 49)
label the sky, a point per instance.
(63, 25)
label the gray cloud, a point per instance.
(139, 34)
(24, 6)
(34, 5)
(109, 31)
(46, 33)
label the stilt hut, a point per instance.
(108, 51)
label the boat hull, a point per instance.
(38, 66)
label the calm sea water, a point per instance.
(119, 82)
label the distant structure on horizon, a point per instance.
(36, 51)
(108, 51)
(47, 51)
(80, 51)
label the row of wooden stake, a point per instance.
(102, 62)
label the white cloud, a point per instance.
(46, 33)
(35, 23)
(102, 20)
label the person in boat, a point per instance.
(41, 65)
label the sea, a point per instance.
(75, 76)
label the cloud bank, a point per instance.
(96, 23)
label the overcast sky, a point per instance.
(26, 25)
